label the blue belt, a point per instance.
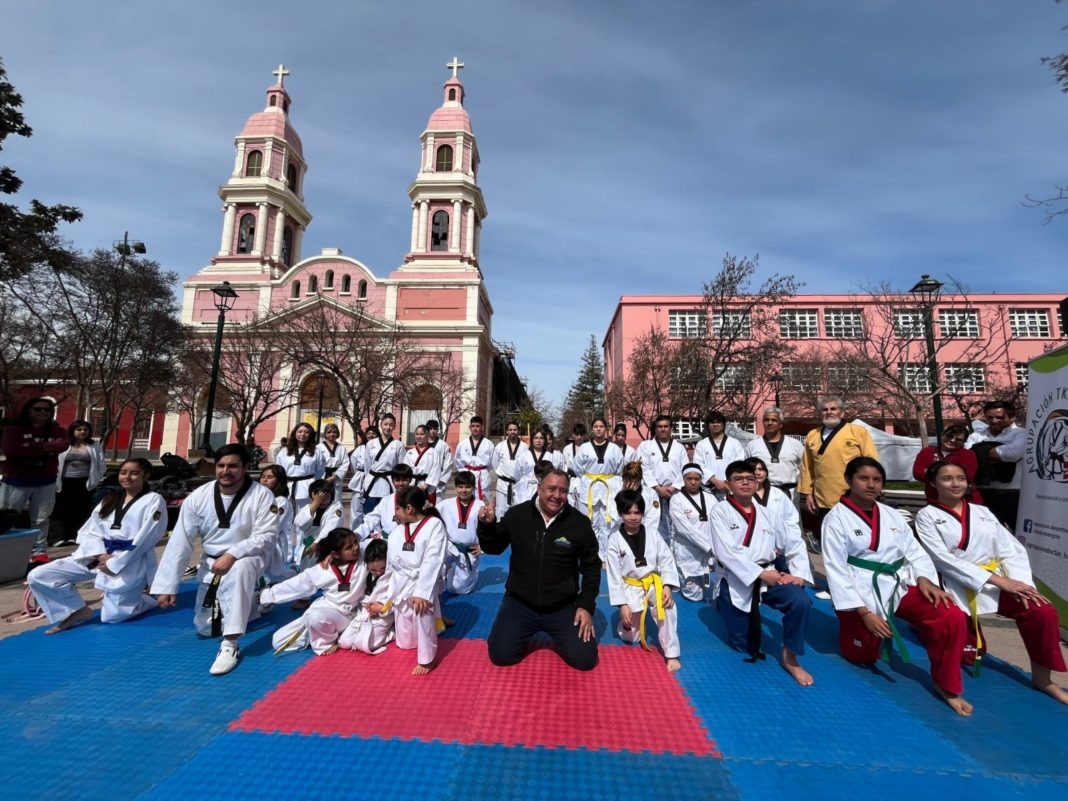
(118, 545)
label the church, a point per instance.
(434, 307)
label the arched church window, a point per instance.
(291, 178)
(295, 291)
(452, 94)
(439, 232)
(346, 284)
(285, 106)
(254, 164)
(287, 246)
(313, 284)
(444, 158)
(246, 233)
(361, 290)
(328, 280)
(273, 101)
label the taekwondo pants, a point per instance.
(789, 599)
(53, 587)
(417, 631)
(237, 591)
(666, 629)
(1039, 628)
(943, 632)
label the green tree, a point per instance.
(585, 399)
(27, 239)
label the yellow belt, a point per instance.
(652, 580)
(599, 478)
(973, 607)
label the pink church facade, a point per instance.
(436, 295)
(983, 343)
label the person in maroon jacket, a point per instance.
(951, 449)
(32, 445)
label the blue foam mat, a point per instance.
(139, 695)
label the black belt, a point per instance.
(753, 639)
(510, 482)
(417, 477)
(377, 475)
(212, 602)
(293, 481)
(785, 486)
(330, 471)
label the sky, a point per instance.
(626, 146)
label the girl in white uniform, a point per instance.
(357, 468)
(642, 574)
(321, 515)
(775, 500)
(416, 556)
(343, 579)
(691, 529)
(879, 572)
(633, 479)
(985, 569)
(335, 458)
(278, 562)
(115, 551)
(302, 463)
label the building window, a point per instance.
(313, 284)
(967, 378)
(735, 377)
(439, 231)
(847, 378)
(1062, 315)
(291, 178)
(958, 324)
(294, 292)
(908, 324)
(799, 324)
(1023, 377)
(287, 246)
(346, 284)
(687, 430)
(732, 325)
(444, 163)
(844, 323)
(328, 280)
(246, 233)
(802, 377)
(1033, 323)
(361, 290)
(452, 94)
(254, 164)
(915, 377)
(685, 324)
(273, 101)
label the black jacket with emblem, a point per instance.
(544, 568)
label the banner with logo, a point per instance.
(1042, 525)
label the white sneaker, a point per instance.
(226, 660)
(692, 591)
(823, 595)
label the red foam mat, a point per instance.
(628, 702)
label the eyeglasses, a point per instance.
(742, 479)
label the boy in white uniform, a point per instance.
(475, 454)
(235, 520)
(445, 460)
(510, 466)
(715, 451)
(460, 516)
(381, 520)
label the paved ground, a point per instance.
(129, 711)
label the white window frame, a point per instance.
(843, 323)
(686, 323)
(908, 324)
(847, 378)
(739, 324)
(1030, 324)
(965, 378)
(916, 376)
(958, 323)
(802, 378)
(799, 323)
(1023, 375)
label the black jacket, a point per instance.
(545, 564)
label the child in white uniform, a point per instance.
(460, 516)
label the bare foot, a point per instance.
(793, 667)
(1053, 690)
(448, 621)
(673, 665)
(421, 670)
(71, 620)
(956, 703)
(301, 603)
(330, 650)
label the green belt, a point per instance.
(885, 569)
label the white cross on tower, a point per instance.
(282, 72)
(455, 65)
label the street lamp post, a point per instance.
(881, 403)
(225, 297)
(775, 379)
(125, 248)
(927, 291)
(321, 378)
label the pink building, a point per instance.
(982, 343)
(436, 296)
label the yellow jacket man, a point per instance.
(827, 452)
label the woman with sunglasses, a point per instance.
(951, 449)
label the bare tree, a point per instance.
(458, 391)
